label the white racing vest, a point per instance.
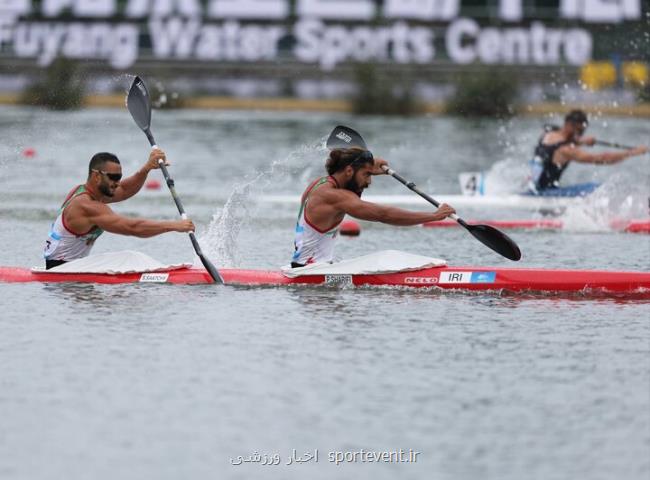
(63, 244)
(311, 244)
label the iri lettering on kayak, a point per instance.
(455, 277)
(468, 277)
(154, 277)
(340, 280)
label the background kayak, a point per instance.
(476, 184)
(629, 226)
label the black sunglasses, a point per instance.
(364, 157)
(115, 177)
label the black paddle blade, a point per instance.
(496, 240)
(345, 137)
(139, 105)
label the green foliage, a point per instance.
(491, 93)
(60, 89)
(643, 94)
(379, 95)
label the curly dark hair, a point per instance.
(342, 157)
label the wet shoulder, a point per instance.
(86, 204)
(330, 192)
(552, 138)
(324, 190)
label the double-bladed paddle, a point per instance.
(139, 105)
(549, 128)
(345, 137)
(613, 145)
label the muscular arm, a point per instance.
(106, 219)
(355, 207)
(605, 158)
(130, 186)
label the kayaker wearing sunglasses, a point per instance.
(84, 215)
(328, 199)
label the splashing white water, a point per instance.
(220, 239)
(510, 174)
(620, 199)
(506, 177)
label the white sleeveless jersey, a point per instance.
(311, 244)
(63, 244)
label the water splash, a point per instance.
(620, 199)
(123, 81)
(220, 240)
(507, 176)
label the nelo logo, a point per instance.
(421, 280)
(344, 136)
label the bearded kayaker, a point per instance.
(328, 199)
(559, 146)
(84, 215)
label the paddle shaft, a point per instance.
(550, 128)
(214, 273)
(613, 145)
(411, 186)
(170, 184)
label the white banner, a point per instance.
(324, 32)
(589, 11)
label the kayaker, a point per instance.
(84, 215)
(559, 146)
(328, 199)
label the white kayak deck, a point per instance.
(384, 261)
(124, 262)
(115, 263)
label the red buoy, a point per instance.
(638, 226)
(350, 228)
(29, 152)
(152, 185)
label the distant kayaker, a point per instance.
(84, 215)
(558, 146)
(328, 199)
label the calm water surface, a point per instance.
(168, 382)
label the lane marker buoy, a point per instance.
(152, 185)
(350, 228)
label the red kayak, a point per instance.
(629, 226)
(444, 277)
